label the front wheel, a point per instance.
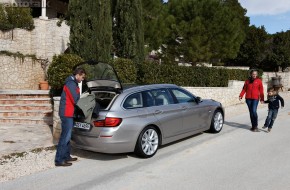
(217, 122)
(147, 143)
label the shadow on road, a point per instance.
(237, 125)
(109, 157)
(242, 126)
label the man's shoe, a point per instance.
(71, 159)
(269, 130)
(264, 127)
(63, 164)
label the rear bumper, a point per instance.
(102, 144)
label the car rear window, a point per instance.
(133, 101)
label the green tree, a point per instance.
(255, 48)
(205, 30)
(155, 23)
(128, 30)
(91, 29)
(280, 51)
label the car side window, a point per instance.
(182, 96)
(148, 99)
(158, 97)
(133, 101)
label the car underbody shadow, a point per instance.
(97, 156)
(108, 157)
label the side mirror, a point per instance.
(198, 99)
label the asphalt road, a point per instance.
(235, 159)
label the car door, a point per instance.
(160, 103)
(193, 112)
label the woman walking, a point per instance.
(254, 90)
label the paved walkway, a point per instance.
(19, 138)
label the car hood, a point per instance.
(101, 76)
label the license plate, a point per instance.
(82, 125)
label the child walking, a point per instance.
(273, 100)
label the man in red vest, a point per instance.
(69, 97)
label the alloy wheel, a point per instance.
(218, 121)
(150, 142)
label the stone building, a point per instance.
(25, 55)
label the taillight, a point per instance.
(108, 122)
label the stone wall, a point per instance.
(228, 96)
(16, 73)
(56, 120)
(46, 40)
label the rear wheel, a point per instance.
(217, 122)
(147, 143)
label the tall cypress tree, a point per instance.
(154, 21)
(128, 30)
(91, 29)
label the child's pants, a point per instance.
(272, 114)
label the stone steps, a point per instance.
(26, 120)
(25, 107)
(26, 101)
(21, 113)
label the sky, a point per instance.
(273, 14)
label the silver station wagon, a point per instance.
(141, 118)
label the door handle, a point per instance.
(158, 111)
(184, 107)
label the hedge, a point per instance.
(150, 73)
(126, 70)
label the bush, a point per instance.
(4, 25)
(15, 17)
(126, 70)
(61, 67)
(152, 73)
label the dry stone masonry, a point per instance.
(16, 73)
(46, 40)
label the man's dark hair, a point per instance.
(79, 71)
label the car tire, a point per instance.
(147, 142)
(217, 122)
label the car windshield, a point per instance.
(100, 71)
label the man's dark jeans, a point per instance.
(272, 114)
(63, 147)
(252, 105)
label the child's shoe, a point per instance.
(269, 130)
(264, 127)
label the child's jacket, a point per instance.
(274, 101)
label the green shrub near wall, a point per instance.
(61, 67)
(15, 17)
(152, 73)
(126, 70)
